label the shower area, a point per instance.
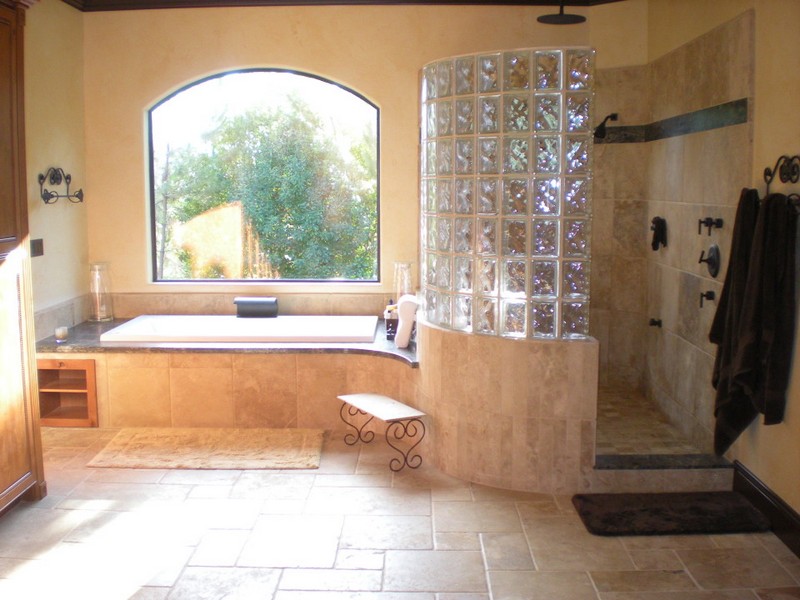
(681, 151)
(534, 229)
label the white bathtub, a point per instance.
(229, 328)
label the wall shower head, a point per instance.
(561, 18)
(600, 130)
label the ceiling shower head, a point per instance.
(561, 18)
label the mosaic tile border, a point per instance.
(727, 114)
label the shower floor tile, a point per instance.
(629, 423)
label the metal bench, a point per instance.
(402, 423)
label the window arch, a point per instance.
(264, 175)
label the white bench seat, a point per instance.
(384, 408)
(403, 423)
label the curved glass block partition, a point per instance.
(506, 192)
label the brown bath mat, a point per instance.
(212, 448)
(669, 513)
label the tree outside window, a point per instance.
(264, 175)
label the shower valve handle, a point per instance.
(709, 222)
(709, 295)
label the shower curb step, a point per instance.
(642, 473)
(660, 461)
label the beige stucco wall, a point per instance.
(54, 138)
(773, 453)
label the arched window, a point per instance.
(264, 175)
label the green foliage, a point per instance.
(312, 205)
(213, 271)
(185, 260)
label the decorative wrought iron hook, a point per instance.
(787, 168)
(55, 176)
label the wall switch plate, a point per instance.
(37, 247)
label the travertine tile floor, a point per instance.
(349, 530)
(629, 423)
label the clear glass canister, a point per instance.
(101, 306)
(402, 280)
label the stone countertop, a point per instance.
(85, 338)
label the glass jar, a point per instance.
(402, 280)
(101, 307)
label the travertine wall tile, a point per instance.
(628, 288)
(138, 396)
(215, 360)
(320, 379)
(202, 396)
(125, 360)
(602, 228)
(132, 305)
(627, 335)
(690, 177)
(599, 329)
(265, 390)
(535, 433)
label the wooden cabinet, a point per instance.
(67, 393)
(21, 470)
(12, 213)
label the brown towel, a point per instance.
(733, 408)
(762, 363)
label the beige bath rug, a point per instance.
(212, 448)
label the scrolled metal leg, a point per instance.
(400, 430)
(364, 436)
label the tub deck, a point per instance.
(85, 338)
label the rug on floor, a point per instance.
(668, 513)
(211, 448)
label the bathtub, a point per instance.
(229, 328)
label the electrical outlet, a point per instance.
(37, 247)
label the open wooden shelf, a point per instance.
(67, 392)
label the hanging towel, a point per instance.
(763, 359)
(733, 408)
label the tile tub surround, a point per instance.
(514, 414)
(233, 384)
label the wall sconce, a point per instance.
(56, 176)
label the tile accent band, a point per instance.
(730, 113)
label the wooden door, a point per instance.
(20, 444)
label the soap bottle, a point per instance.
(390, 319)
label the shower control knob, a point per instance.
(712, 260)
(709, 222)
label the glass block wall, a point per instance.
(506, 144)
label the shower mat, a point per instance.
(670, 513)
(211, 448)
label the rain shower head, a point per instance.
(561, 18)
